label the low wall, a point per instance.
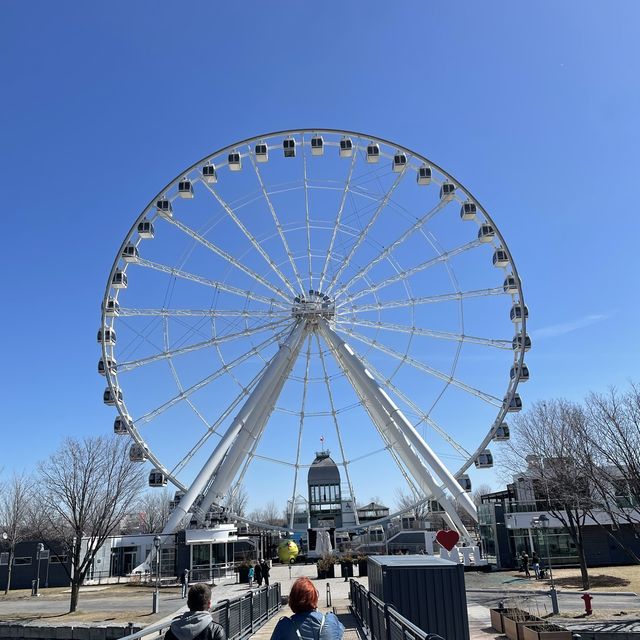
(77, 632)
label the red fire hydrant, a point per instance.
(587, 603)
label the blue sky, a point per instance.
(533, 108)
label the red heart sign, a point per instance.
(447, 539)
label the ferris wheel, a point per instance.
(311, 286)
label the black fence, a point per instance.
(381, 621)
(240, 617)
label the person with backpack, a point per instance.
(535, 563)
(197, 623)
(307, 623)
(258, 574)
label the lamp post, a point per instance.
(543, 521)
(37, 585)
(156, 592)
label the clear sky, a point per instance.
(533, 107)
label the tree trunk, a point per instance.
(75, 592)
(584, 573)
(9, 570)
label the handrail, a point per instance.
(240, 617)
(381, 620)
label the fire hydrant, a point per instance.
(587, 603)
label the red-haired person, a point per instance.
(306, 622)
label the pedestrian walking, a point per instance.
(265, 572)
(258, 574)
(250, 576)
(197, 623)
(184, 582)
(535, 563)
(307, 623)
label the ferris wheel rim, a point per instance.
(512, 387)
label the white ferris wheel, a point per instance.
(308, 284)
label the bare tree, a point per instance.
(236, 500)
(549, 439)
(15, 505)
(154, 510)
(412, 505)
(88, 486)
(479, 491)
(269, 514)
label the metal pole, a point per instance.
(554, 594)
(156, 592)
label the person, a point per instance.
(251, 574)
(197, 623)
(258, 574)
(265, 572)
(184, 582)
(306, 622)
(525, 564)
(535, 563)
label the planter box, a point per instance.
(346, 570)
(362, 568)
(497, 616)
(514, 629)
(545, 631)
(496, 619)
(323, 574)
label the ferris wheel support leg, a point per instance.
(414, 437)
(386, 424)
(280, 363)
(245, 442)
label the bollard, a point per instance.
(328, 594)
(587, 603)
(576, 636)
(130, 629)
(554, 600)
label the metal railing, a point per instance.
(381, 621)
(239, 617)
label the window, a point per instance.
(58, 559)
(24, 560)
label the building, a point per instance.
(325, 498)
(52, 565)
(509, 523)
(372, 511)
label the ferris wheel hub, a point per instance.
(315, 304)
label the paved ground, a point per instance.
(120, 602)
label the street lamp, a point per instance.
(156, 593)
(543, 521)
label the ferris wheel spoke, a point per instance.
(276, 221)
(303, 404)
(410, 302)
(306, 210)
(422, 367)
(227, 256)
(210, 378)
(213, 428)
(365, 232)
(336, 225)
(443, 257)
(334, 416)
(392, 247)
(252, 239)
(430, 333)
(174, 373)
(170, 353)
(207, 313)
(414, 407)
(215, 284)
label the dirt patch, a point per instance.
(597, 582)
(141, 616)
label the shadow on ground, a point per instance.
(597, 581)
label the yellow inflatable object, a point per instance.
(288, 551)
